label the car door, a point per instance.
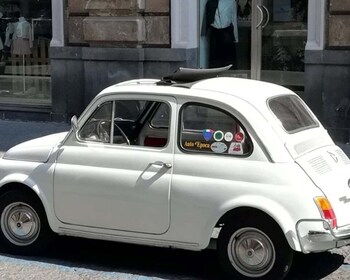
(106, 181)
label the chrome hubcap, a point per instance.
(251, 252)
(20, 224)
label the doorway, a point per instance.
(270, 43)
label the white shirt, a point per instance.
(22, 29)
(225, 15)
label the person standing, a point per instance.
(221, 22)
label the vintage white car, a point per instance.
(188, 162)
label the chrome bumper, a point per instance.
(320, 241)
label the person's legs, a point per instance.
(222, 49)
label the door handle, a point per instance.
(268, 16)
(162, 164)
(261, 16)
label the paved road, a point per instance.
(15, 132)
(72, 258)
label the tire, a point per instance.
(24, 226)
(254, 249)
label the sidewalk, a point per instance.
(15, 132)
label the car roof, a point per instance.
(250, 90)
(246, 89)
(207, 82)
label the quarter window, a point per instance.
(211, 130)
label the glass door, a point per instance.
(268, 43)
(281, 38)
(226, 35)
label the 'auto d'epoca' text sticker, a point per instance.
(196, 145)
(218, 147)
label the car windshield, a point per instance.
(291, 113)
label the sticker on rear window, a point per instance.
(218, 135)
(228, 136)
(235, 149)
(208, 134)
(196, 145)
(218, 147)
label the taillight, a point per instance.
(326, 210)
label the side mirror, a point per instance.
(74, 123)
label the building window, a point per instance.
(25, 35)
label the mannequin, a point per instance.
(9, 32)
(22, 42)
(22, 37)
(221, 16)
(1, 44)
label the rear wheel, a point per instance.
(254, 249)
(24, 227)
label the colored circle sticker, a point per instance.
(228, 136)
(239, 136)
(218, 135)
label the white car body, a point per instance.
(126, 193)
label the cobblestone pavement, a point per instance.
(80, 259)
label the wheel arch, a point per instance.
(282, 220)
(29, 189)
(238, 241)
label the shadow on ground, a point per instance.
(315, 266)
(165, 263)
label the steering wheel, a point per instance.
(122, 133)
(102, 133)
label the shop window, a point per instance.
(25, 35)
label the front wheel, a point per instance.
(24, 227)
(254, 250)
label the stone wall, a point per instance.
(339, 22)
(79, 73)
(327, 73)
(119, 23)
(109, 41)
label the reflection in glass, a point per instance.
(25, 34)
(283, 43)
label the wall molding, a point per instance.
(57, 23)
(184, 24)
(316, 25)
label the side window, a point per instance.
(211, 130)
(129, 110)
(98, 127)
(129, 122)
(161, 117)
(133, 120)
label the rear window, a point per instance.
(291, 113)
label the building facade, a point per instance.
(78, 47)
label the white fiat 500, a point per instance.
(182, 162)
